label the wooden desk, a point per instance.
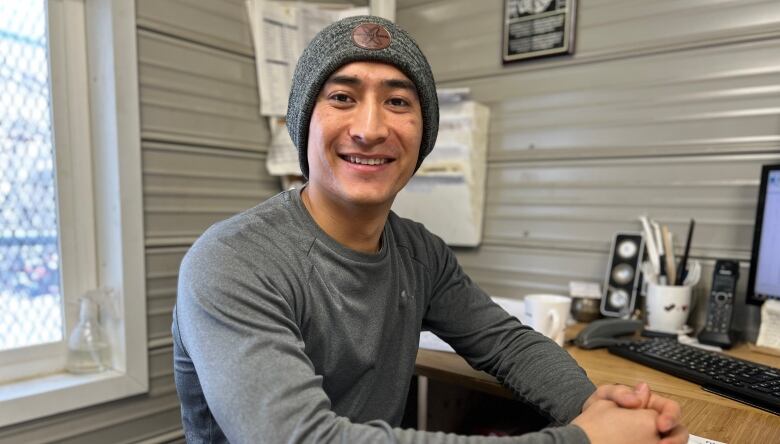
(704, 414)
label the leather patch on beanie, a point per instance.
(371, 36)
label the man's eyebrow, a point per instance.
(400, 84)
(344, 80)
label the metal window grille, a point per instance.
(30, 299)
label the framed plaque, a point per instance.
(537, 28)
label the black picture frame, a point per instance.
(537, 28)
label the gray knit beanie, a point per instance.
(361, 38)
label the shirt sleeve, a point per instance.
(247, 350)
(533, 367)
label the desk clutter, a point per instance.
(645, 263)
(741, 380)
(647, 258)
(668, 355)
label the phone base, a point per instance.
(723, 340)
(657, 334)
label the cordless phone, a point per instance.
(717, 330)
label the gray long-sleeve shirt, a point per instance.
(281, 334)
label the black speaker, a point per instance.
(622, 280)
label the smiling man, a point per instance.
(298, 320)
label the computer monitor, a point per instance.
(764, 281)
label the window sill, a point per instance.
(47, 395)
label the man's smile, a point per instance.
(366, 160)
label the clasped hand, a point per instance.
(620, 414)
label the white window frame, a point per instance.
(93, 59)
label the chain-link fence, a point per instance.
(30, 301)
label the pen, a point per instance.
(661, 254)
(682, 269)
(669, 250)
(652, 251)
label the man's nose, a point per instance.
(369, 126)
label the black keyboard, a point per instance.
(744, 381)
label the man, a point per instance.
(298, 320)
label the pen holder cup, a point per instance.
(668, 307)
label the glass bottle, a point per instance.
(88, 349)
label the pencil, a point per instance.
(682, 268)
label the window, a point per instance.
(34, 233)
(68, 121)
(30, 300)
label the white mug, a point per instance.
(668, 307)
(547, 314)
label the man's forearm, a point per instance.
(544, 375)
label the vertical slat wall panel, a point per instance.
(194, 94)
(220, 24)
(722, 98)
(186, 189)
(667, 108)
(579, 204)
(162, 265)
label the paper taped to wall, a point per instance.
(448, 191)
(275, 37)
(282, 157)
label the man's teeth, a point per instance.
(362, 161)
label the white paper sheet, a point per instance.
(693, 439)
(282, 157)
(769, 332)
(450, 184)
(275, 37)
(430, 341)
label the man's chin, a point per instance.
(370, 199)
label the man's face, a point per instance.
(364, 135)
